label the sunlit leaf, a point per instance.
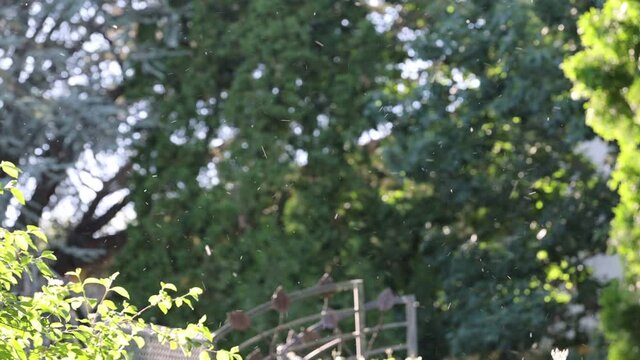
(10, 169)
(21, 241)
(36, 324)
(139, 340)
(223, 355)
(120, 291)
(18, 195)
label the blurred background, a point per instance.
(483, 155)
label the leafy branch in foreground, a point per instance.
(62, 321)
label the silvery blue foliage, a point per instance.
(63, 65)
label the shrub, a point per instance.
(61, 321)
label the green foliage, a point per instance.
(61, 321)
(50, 117)
(620, 311)
(488, 133)
(607, 73)
(63, 116)
(264, 82)
(477, 201)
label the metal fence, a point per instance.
(327, 333)
(310, 342)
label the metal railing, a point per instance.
(309, 343)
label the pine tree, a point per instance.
(64, 120)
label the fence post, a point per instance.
(359, 317)
(412, 331)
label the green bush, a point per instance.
(605, 73)
(61, 321)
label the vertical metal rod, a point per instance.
(412, 330)
(358, 308)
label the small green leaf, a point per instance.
(204, 331)
(75, 273)
(48, 254)
(92, 302)
(18, 349)
(21, 242)
(129, 310)
(204, 356)
(10, 169)
(139, 341)
(195, 291)
(76, 303)
(109, 304)
(154, 300)
(75, 287)
(44, 269)
(39, 234)
(168, 286)
(18, 195)
(103, 282)
(222, 355)
(36, 324)
(120, 291)
(188, 302)
(162, 307)
(38, 341)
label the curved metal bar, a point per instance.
(345, 336)
(329, 342)
(407, 299)
(294, 296)
(321, 349)
(389, 326)
(338, 313)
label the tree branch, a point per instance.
(108, 187)
(90, 227)
(46, 186)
